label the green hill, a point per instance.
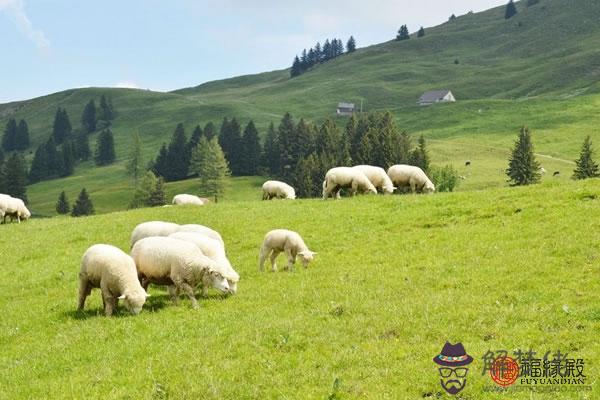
(394, 278)
(538, 68)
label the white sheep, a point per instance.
(153, 228)
(346, 177)
(203, 230)
(378, 177)
(187, 199)
(178, 264)
(113, 271)
(277, 190)
(290, 242)
(214, 250)
(410, 176)
(14, 208)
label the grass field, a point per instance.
(394, 278)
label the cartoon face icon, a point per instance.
(452, 361)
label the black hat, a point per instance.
(453, 355)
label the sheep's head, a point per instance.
(429, 187)
(306, 256)
(232, 287)
(371, 189)
(218, 281)
(134, 300)
(388, 189)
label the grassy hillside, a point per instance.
(538, 68)
(394, 278)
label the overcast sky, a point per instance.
(48, 46)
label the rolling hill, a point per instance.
(539, 68)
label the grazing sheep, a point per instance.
(556, 173)
(346, 177)
(543, 171)
(467, 163)
(153, 228)
(378, 178)
(408, 175)
(277, 190)
(178, 264)
(14, 208)
(203, 230)
(4, 198)
(187, 199)
(113, 271)
(214, 250)
(290, 242)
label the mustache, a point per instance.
(453, 382)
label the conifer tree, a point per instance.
(420, 155)
(586, 167)
(62, 205)
(251, 151)
(271, 151)
(149, 193)
(22, 138)
(210, 131)
(39, 168)
(230, 142)
(209, 162)
(106, 110)
(61, 129)
(14, 177)
(195, 138)
(327, 53)
(82, 146)
(88, 117)
(286, 155)
(511, 10)
(158, 196)
(160, 165)
(421, 32)
(296, 69)
(9, 140)
(54, 160)
(177, 156)
(403, 33)
(523, 169)
(318, 53)
(134, 165)
(304, 182)
(452, 17)
(83, 205)
(68, 157)
(105, 148)
(403, 148)
(351, 45)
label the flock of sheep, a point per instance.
(13, 208)
(361, 178)
(181, 257)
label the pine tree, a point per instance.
(296, 69)
(15, 177)
(586, 167)
(385, 137)
(88, 117)
(303, 182)
(105, 148)
(195, 138)
(83, 205)
(312, 59)
(327, 53)
(420, 155)
(230, 142)
(68, 156)
(286, 146)
(351, 45)
(318, 53)
(210, 131)
(106, 110)
(39, 165)
(22, 138)
(149, 193)
(511, 10)
(403, 33)
(82, 146)
(61, 129)
(403, 148)
(209, 162)
(160, 165)
(9, 140)
(421, 32)
(62, 205)
(271, 151)
(452, 17)
(523, 169)
(134, 165)
(157, 195)
(177, 156)
(251, 151)
(54, 159)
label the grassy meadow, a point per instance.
(394, 278)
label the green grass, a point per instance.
(394, 279)
(538, 69)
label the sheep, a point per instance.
(113, 271)
(290, 242)
(187, 199)
(14, 208)
(341, 177)
(178, 264)
(556, 173)
(467, 163)
(153, 228)
(203, 230)
(378, 178)
(214, 250)
(408, 175)
(4, 199)
(278, 190)
(542, 170)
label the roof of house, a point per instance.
(345, 105)
(433, 96)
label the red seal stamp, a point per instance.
(504, 371)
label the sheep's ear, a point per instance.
(121, 297)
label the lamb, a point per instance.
(14, 208)
(187, 199)
(278, 190)
(214, 250)
(290, 242)
(408, 175)
(178, 264)
(153, 228)
(113, 271)
(346, 177)
(378, 178)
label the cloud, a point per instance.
(16, 10)
(127, 85)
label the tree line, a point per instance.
(318, 55)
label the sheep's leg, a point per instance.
(107, 299)
(274, 255)
(84, 291)
(413, 187)
(264, 252)
(291, 256)
(173, 293)
(187, 289)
